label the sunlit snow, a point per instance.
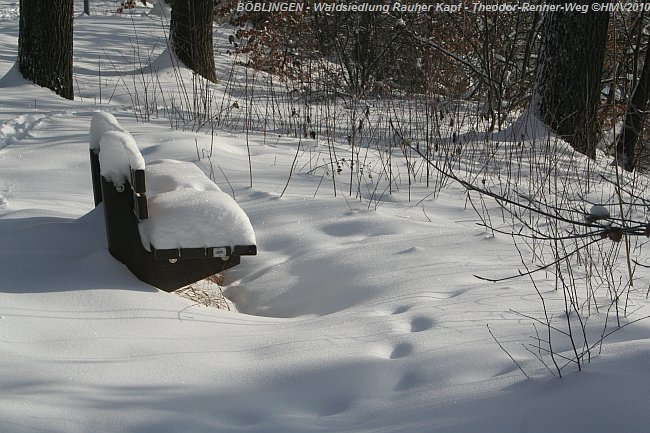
(360, 313)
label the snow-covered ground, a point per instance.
(349, 319)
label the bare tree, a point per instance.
(627, 140)
(567, 90)
(191, 35)
(45, 44)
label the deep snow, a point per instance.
(348, 320)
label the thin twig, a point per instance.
(507, 353)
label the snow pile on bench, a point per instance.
(102, 122)
(188, 210)
(119, 154)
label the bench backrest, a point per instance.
(115, 156)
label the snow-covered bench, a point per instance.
(166, 221)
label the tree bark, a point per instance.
(567, 89)
(45, 44)
(191, 35)
(634, 116)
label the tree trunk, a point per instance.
(627, 140)
(567, 89)
(87, 7)
(191, 35)
(45, 44)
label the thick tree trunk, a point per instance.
(567, 90)
(636, 109)
(191, 35)
(45, 44)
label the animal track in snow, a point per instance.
(401, 309)
(421, 323)
(18, 128)
(409, 324)
(401, 350)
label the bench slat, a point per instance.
(193, 253)
(138, 181)
(140, 206)
(201, 253)
(166, 254)
(245, 250)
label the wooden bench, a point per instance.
(164, 242)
